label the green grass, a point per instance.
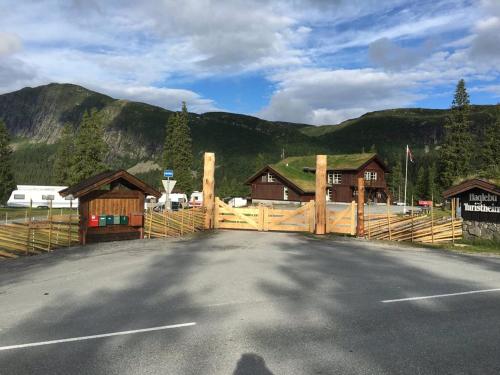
(8, 213)
(292, 167)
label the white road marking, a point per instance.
(441, 295)
(82, 338)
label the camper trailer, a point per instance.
(177, 200)
(196, 199)
(40, 196)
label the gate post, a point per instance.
(320, 197)
(208, 188)
(360, 228)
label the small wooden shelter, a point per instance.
(111, 206)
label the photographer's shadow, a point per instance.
(251, 364)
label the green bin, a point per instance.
(124, 220)
(102, 221)
(116, 219)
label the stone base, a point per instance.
(481, 230)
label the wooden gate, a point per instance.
(262, 218)
(343, 222)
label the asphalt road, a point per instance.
(256, 303)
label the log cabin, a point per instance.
(293, 179)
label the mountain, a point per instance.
(390, 130)
(135, 133)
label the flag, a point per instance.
(409, 154)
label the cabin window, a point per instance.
(18, 196)
(264, 178)
(371, 176)
(285, 193)
(270, 177)
(328, 195)
(355, 193)
(48, 197)
(334, 178)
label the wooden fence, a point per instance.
(173, 224)
(38, 236)
(342, 222)
(263, 219)
(425, 229)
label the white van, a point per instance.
(40, 196)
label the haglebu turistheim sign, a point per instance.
(479, 200)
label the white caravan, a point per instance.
(237, 202)
(173, 197)
(40, 196)
(196, 199)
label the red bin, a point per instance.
(93, 221)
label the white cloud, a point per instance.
(321, 96)
(9, 43)
(162, 97)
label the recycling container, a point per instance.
(124, 220)
(109, 219)
(116, 219)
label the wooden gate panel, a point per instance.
(343, 222)
(263, 218)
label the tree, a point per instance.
(63, 157)
(169, 144)
(457, 149)
(432, 186)
(490, 149)
(396, 180)
(90, 148)
(421, 186)
(7, 183)
(178, 150)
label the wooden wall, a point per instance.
(110, 202)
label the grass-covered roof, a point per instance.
(292, 168)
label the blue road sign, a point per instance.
(168, 173)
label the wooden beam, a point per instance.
(360, 228)
(320, 194)
(208, 188)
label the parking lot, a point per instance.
(236, 302)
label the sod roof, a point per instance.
(292, 168)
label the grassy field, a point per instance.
(7, 213)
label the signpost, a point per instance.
(168, 185)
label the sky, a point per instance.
(308, 61)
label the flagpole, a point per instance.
(406, 178)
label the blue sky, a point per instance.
(310, 61)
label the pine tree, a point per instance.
(490, 149)
(432, 186)
(396, 180)
(169, 143)
(457, 149)
(90, 148)
(63, 157)
(178, 150)
(421, 186)
(7, 183)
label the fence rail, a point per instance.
(423, 229)
(173, 224)
(38, 236)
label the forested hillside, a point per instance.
(135, 132)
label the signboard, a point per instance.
(168, 173)
(168, 185)
(479, 205)
(425, 203)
